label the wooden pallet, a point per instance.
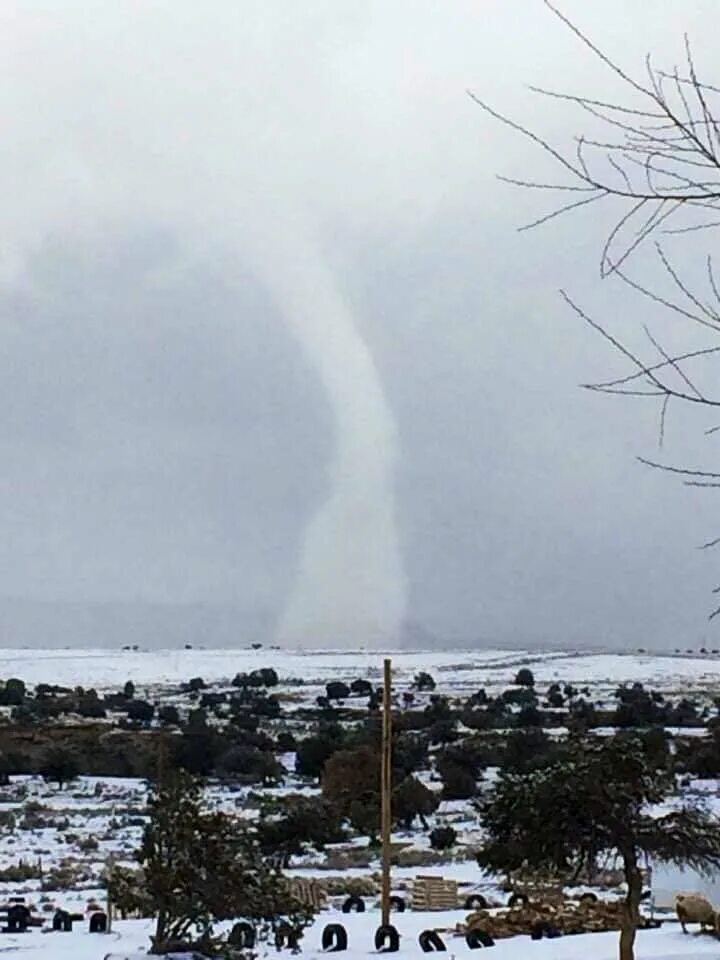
(434, 893)
(308, 892)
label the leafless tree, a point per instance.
(657, 157)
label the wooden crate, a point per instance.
(434, 893)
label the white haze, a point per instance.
(170, 123)
(312, 146)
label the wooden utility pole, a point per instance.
(386, 791)
(109, 905)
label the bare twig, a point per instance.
(683, 471)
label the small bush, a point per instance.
(169, 715)
(140, 711)
(286, 742)
(421, 858)
(18, 873)
(442, 838)
(7, 820)
(524, 678)
(66, 876)
(348, 859)
(337, 690)
(265, 677)
(361, 688)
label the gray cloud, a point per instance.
(166, 439)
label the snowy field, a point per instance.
(459, 670)
(79, 828)
(130, 937)
(105, 668)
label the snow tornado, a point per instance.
(350, 584)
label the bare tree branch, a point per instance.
(680, 470)
(658, 156)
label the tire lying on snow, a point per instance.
(387, 939)
(334, 938)
(518, 899)
(354, 904)
(478, 938)
(476, 901)
(430, 940)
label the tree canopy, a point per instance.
(595, 797)
(203, 867)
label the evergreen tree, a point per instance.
(595, 799)
(313, 752)
(351, 781)
(299, 823)
(59, 765)
(203, 867)
(525, 678)
(412, 799)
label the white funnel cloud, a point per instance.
(350, 585)
(211, 126)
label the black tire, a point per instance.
(387, 939)
(478, 938)
(588, 897)
(354, 905)
(517, 898)
(334, 938)
(397, 904)
(476, 901)
(243, 935)
(98, 922)
(430, 940)
(18, 918)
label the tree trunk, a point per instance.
(631, 907)
(160, 932)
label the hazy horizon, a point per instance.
(32, 624)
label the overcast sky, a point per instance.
(171, 428)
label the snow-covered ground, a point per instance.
(81, 826)
(130, 939)
(108, 668)
(457, 671)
